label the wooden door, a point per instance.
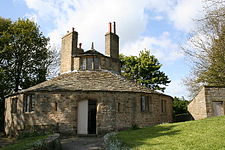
(82, 117)
(218, 108)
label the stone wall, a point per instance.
(76, 63)
(14, 121)
(213, 94)
(108, 117)
(107, 63)
(197, 107)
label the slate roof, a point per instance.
(89, 81)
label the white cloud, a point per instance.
(90, 17)
(32, 17)
(162, 47)
(184, 13)
(176, 88)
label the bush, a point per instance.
(135, 127)
(112, 143)
(31, 133)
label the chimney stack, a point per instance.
(68, 49)
(112, 42)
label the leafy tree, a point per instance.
(144, 69)
(206, 48)
(24, 56)
(180, 106)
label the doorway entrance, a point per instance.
(87, 117)
(218, 108)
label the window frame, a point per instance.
(144, 103)
(14, 102)
(163, 106)
(29, 103)
(87, 62)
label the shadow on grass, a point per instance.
(143, 136)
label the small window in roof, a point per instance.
(89, 63)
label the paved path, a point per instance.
(83, 143)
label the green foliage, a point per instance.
(206, 49)
(26, 143)
(206, 134)
(24, 57)
(135, 127)
(144, 69)
(112, 143)
(180, 106)
(32, 133)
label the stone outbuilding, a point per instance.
(208, 103)
(88, 97)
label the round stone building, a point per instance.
(88, 97)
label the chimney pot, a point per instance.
(114, 27)
(72, 29)
(110, 27)
(80, 44)
(92, 45)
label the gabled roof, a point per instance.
(89, 81)
(91, 52)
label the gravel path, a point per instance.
(82, 143)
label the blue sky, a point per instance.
(159, 26)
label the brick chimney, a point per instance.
(112, 42)
(68, 48)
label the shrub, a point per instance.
(135, 127)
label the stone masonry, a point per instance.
(202, 105)
(108, 118)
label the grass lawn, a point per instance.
(23, 144)
(206, 134)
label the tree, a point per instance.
(24, 56)
(206, 48)
(144, 69)
(180, 106)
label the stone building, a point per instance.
(88, 97)
(208, 103)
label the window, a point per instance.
(163, 106)
(29, 103)
(83, 63)
(144, 103)
(119, 107)
(56, 106)
(14, 105)
(89, 63)
(96, 63)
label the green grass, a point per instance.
(206, 134)
(23, 144)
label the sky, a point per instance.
(161, 26)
